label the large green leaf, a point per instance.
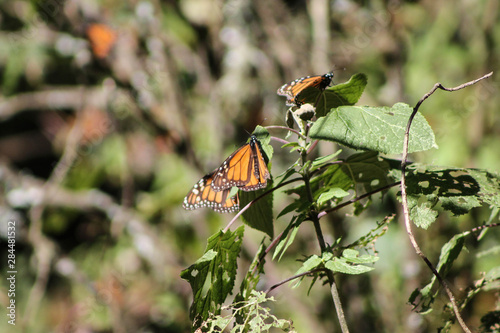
(260, 214)
(457, 190)
(374, 128)
(212, 276)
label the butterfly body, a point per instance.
(293, 90)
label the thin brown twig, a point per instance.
(274, 286)
(280, 140)
(404, 198)
(286, 129)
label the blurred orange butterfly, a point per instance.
(294, 89)
(203, 195)
(246, 169)
(102, 38)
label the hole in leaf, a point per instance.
(424, 184)
(458, 173)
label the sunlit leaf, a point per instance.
(374, 128)
(212, 276)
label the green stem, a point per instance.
(313, 216)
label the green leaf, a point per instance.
(249, 283)
(260, 214)
(212, 276)
(347, 93)
(458, 190)
(449, 253)
(264, 138)
(374, 128)
(493, 274)
(352, 256)
(294, 145)
(334, 192)
(311, 263)
(490, 322)
(323, 160)
(252, 316)
(364, 168)
(342, 266)
(421, 214)
(288, 236)
(290, 208)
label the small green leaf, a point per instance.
(288, 236)
(352, 256)
(421, 213)
(347, 93)
(340, 265)
(249, 283)
(291, 144)
(493, 274)
(264, 138)
(320, 161)
(332, 193)
(449, 253)
(374, 128)
(290, 208)
(311, 263)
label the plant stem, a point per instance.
(313, 216)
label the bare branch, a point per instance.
(404, 198)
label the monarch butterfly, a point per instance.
(294, 89)
(102, 39)
(203, 195)
(245, 168)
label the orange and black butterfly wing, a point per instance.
(245, 169)
(294, 91)
(235, 170)
(203, 195)
(260, 173)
